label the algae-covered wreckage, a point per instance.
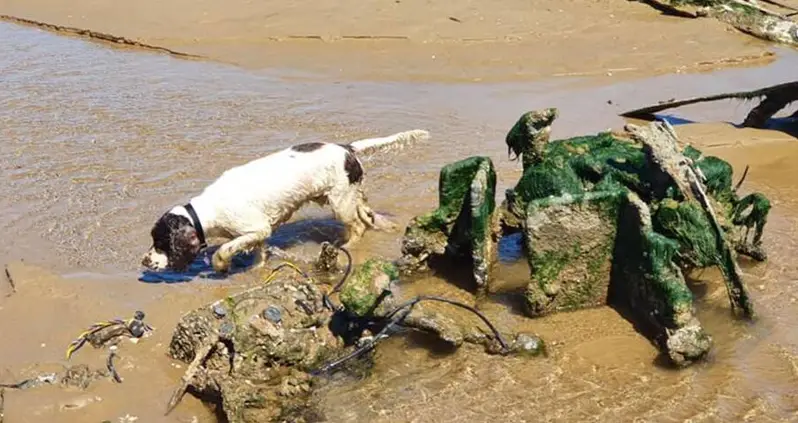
(606, 219)
(774, 23)
(609, 218)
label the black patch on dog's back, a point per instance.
(307, 147)
(354, 171)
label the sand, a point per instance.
(416, 40)
(602, 370)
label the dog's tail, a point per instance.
(371, 145)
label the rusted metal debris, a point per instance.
(774, 98)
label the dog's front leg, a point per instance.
(247, 242)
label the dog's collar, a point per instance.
(196, 222)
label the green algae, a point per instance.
(687, 224)
(599, 162)
(530, 135)
(569, 240)
(364, 287)
(463, 224)
(645, 277)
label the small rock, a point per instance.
(761, 287)
(265, 327)
(137, 328)
(128, 419)
(227, 329)
(530, 345)
(78, 403)
(272, 314)
(219, 311)
(364, 340)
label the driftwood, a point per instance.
(191, 372)
(774, 98)
(662, 145)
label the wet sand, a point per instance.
(98, 142)
(416, 40)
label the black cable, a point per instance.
(327, 301)
(407, 307)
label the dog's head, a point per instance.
(175, 244)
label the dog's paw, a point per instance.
(382, 223)
(219, 264)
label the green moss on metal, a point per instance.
(645, 276)
(463, 224)
(547, 265)
(360, 293)
(481, 203)
(529, 136)
(454, 185)
(718, 175)
(585, 285)
(585, 293)
(756, 217)
(686, 223)
(575, 165)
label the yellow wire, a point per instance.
(95, 327)
(293, 266)
(273, 273)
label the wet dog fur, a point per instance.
(246, 203)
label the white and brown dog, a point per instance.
(248, 202)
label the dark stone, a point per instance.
(219, 311)
(272, 314)
(137, 328)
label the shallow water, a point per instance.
(98, 142)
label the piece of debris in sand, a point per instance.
(260, 355)
(746, 16)
(255, 357)
(10, 281)
(109, 364)
(48, 378)
(774, 99)
(110, 332)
